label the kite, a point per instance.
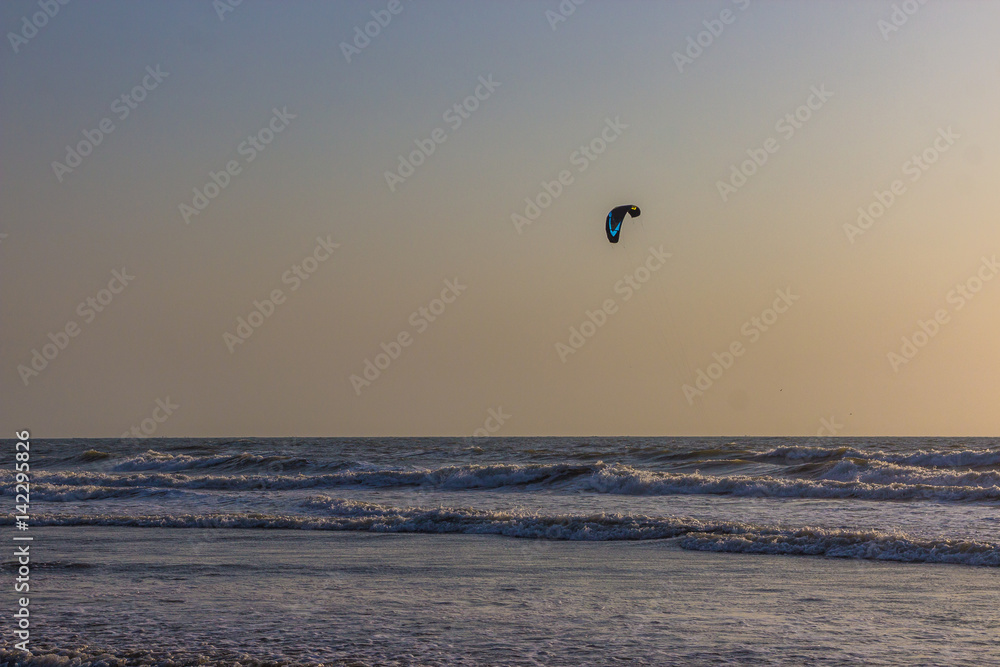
(615, 217)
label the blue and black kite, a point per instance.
(615, 217)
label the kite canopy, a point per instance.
(615, 217)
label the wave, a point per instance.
(448, 478)
(626, 480)
(61, 494)
(699, 535)
(867, 545)
(876, 481)
(966, 458)
(785, 461)
(879, 472)
(154, 461)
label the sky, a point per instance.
(386, 218)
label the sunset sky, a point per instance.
(265, 149)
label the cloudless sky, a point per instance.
(888, 327)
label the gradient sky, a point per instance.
(823, 364)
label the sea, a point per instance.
(506, 551)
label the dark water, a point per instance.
(546, 551)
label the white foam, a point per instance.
(331, 513)
(871, 480)
(925, 458)
(627, 480)
(869, 545)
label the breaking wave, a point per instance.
(329, 513)
(873, 480)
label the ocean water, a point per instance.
(510, 551)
